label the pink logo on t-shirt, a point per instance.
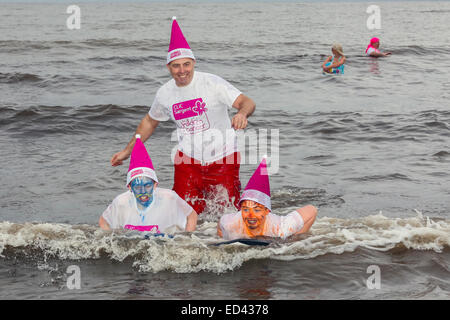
(143, 228)
(191, 115)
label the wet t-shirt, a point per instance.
(372, 49)
(167, 213)
(233, 227)
(200, 111)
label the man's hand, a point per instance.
(145, 129)
(118, 158)
(239, 121)
(191, 222)
(246, 107)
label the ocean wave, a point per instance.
(342, 126)
(127, 59)
(58, 81)
(143, 44)
(11, 46)
(43, 120)
(352, 126)
(388, 177)
(295, 197)
(191, 253)
(18, 77)
(419, 50)
(442, 154)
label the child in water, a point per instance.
(335, 63)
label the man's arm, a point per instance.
(191, 223)
(379, 54)
(103, 224)
(145, 129)
(219, 231)
(246, 107)
(308, 214)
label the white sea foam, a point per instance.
(187, 253)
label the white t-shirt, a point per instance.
(200, 111)
(370, 50)
(167, 213)
(233, 227)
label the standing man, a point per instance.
(198, 102)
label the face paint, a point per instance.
(142, 188)
(253, 214)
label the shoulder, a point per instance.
(121, 202)
(205, 75)
(165, 191)
(370, 50)
(166, 194)
(285, 225)
(122, 198)
(209, 78)
(280, 220)
(229, 218)
(274, 218)
(166, 87)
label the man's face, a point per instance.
(253, 214)
(142, 188)
(182, 71)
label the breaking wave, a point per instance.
(190, 253)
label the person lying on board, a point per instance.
(255, 217)
(146, 207)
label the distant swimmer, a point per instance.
(335, 63)
(255, 217)
(372, 49)
(146, 207)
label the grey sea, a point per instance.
(370, 148)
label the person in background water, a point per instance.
(373, 51)
(335, 63)
(198, 103)
(145, 207)
(255, 217)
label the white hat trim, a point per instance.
(257, 196)
(141, 172)
(179, 53)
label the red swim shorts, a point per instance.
(195, 182)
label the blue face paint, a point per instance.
(142, 188)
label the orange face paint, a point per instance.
(254, 216)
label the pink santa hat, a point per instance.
(140, 164)
(178, 48)
(258, 187)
